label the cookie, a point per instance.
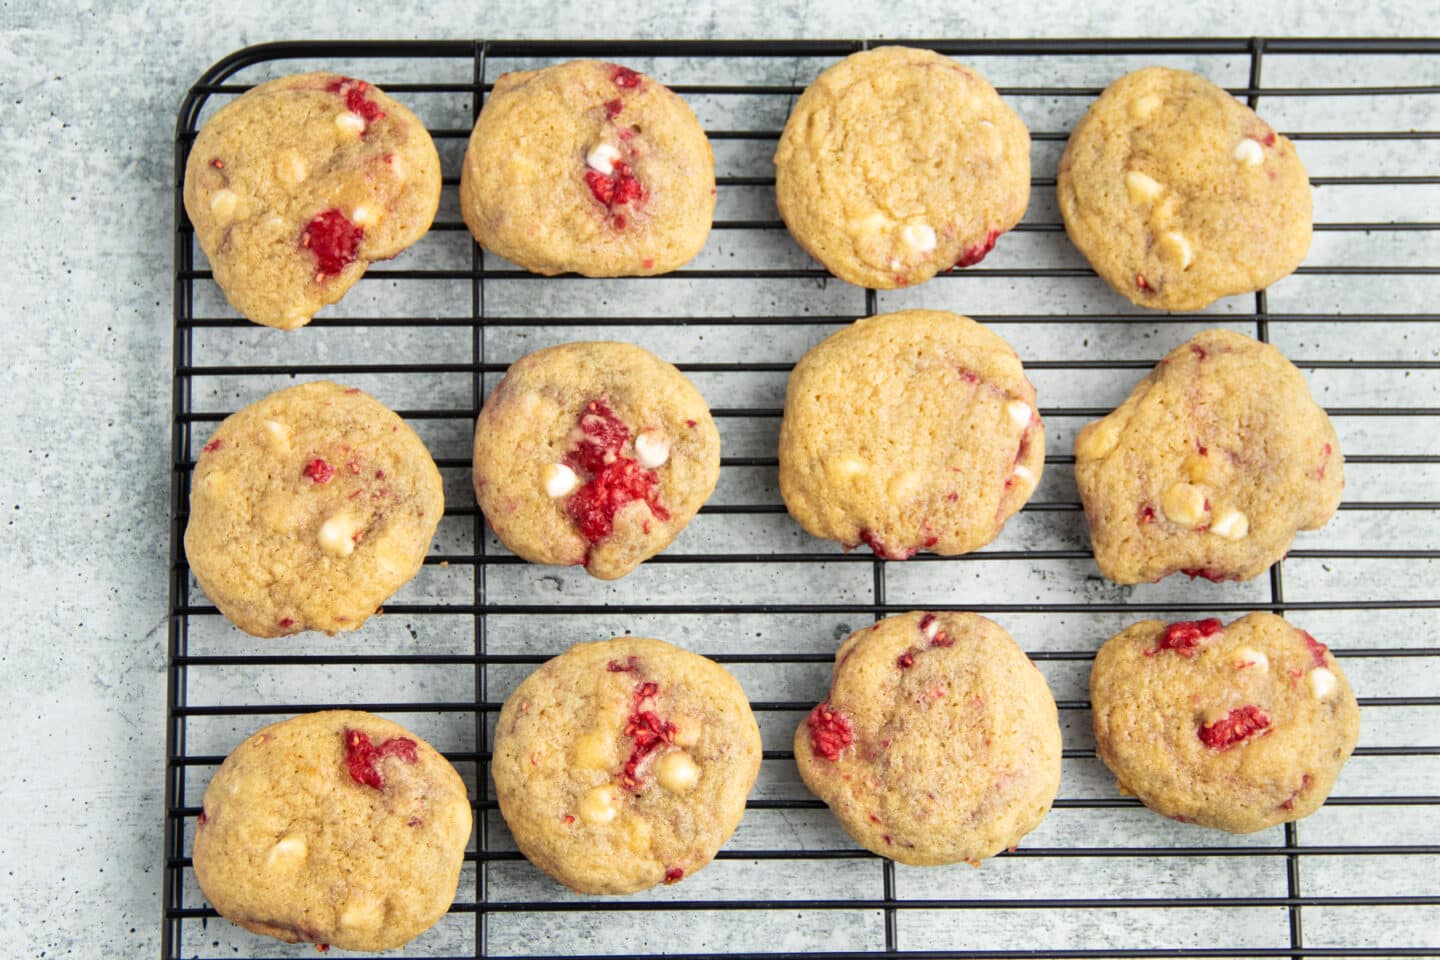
(898, 163)
(590, 168)
(593, 453)
(1236, 727)
(939, 741)
(336, 828)
(910, 431)
(297, 185)
(308, 509)
(1178, 194)
(1210, 466)
(626, 763)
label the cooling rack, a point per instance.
(431, 333)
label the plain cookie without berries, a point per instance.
(337, 828)
(308, 509)
(1236, 727)
(623, 764)
(939, 741)
(898, 163)
(910, 431)
(297, 185)
(1178, 194)
(591, 168)
(593, 453)
(1210, 466)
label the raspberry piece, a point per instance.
(287, 622)
(613, 108)
(877, 547)
(333, 239)
(201, 820)
(361, 756)
(217, 163)
(1199, 351)
(647, 730)
(631, 665)
(905, 661)
(978, 252)
(319, 471)
(624, 77)
(1238, 725)
(619, 188)
(1147, 514)
(614, 480)
(673, 875)
(212, 446)
(830, 732)
(1142, 283)
(1185, 636)
(1289, 804)
(602, 436)
(1317, 649)
(1268, 140)
(1209, 573)
(354, 91)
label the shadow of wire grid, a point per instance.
(431, 333)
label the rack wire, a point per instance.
(431, 333)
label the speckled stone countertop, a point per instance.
(88, 99)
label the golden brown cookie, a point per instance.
(939, 740)
(593, 453)
(898, 163)
(297, 185)
(1178, 194)
(626, 763)
(1237, 727)
(591, 168)
(308, 509)
(1210, 466)
(337, 828)
(910, 431)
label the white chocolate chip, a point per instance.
(904, 485)
(363, 911)
(1231, 525)
(602, 158)
(1322, 683)
(1184, 503)
(223, 204)
(652, 448)
(278, 436)
(872, 222)
(932, 627)
(1025, 474)
(600, 805)
(365, 215)
(677, 773)
(1250, 658)
(350, 122)
(560, 480)
(1142, 107)
(1177, 248)
(287, 854)
(337, 535)
(1249, 153)
(1097, 440)
(292, 167)
(919, 237)
(849, 466)
(397, 166)
(1019, 412)
(1142, 188)
(594, 751)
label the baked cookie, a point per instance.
(1210, 466)
(593, 453)
(295, 186)
(625, 763)
(909, 431)
(1178, 194)
(308, 509)
(336, 828)
(939, 741)
(898, 163)
(590, 168)
(1237, 727)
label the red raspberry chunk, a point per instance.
(905, 661)
(212, 446)
(877, 547)
(619, 188)
(1185, 636)
(319, 471)
(356, 97)
(624, 77)
(1208, 573)
(978, 252)
(334, 240)
(613, 108)
(648, 731)
(673, 875)
(1238, 725)
(830, 731)
(613, 480)
(361, 756)
(1317, 649)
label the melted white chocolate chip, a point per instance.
(1322, 683)
(351, 123)
(1019, 412)
(337, 535)
(287, 854)
(602, 157)
(1184, 503)
(1250, 153)
(559, 480)
(677, 772)
(1231, 525)
(652, 448)
(1141, 187)
(919, 237)
(1177, 249)
(223, 204)
(600, 805)
(1251, 659)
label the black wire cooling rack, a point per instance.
(430, 334)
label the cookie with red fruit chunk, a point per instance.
(308, 509)
(625, 763)
(590, 168)
(1210, 466)
(1236, 727)
(297, 185)
(898, 163)
(939, 741)
(1178, 194)
(910, 431)
(593, 453)
(338, 828)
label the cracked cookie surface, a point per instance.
(337, 828)
(898, 163)
(1236, 727)
(1178, 194)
